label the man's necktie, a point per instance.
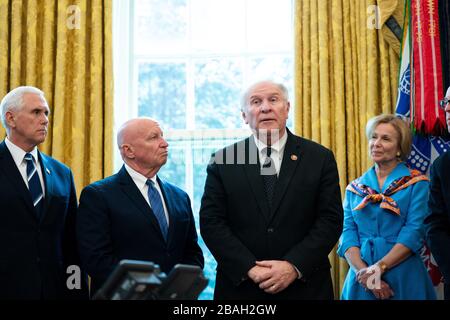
(34, 185)
(269, 173)
(157, 207)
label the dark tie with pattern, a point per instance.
(34, 185)
(269, 173)
(157, 207)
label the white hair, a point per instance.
(14, 101)
(280, 86)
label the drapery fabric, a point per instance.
(64, 48)
(345, 73)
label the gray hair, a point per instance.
(280, 86)
(13, 100)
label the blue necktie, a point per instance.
(34, 185)
(157, 207)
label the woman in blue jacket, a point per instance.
(384, 210)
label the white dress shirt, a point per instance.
(276, 153)
(18, 156)
(140, 182)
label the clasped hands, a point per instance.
(273, 276)
(370, 279)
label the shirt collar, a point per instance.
(277, 146)
(369, 178)
(138, 178)
(18, 154)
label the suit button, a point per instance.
(270, 230)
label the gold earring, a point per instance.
(398, 154)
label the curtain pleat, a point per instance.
(42, 45)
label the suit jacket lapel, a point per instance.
(130, 189)
(48, 182)
(11, 171)
(291, 158)
(253, 173)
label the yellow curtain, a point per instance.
(64, 48)
(345, 73)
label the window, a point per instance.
(185, 63)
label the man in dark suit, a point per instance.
(271, 211)
(438, 221)
(38, 207)
(134, 214)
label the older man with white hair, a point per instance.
(38, 200)
(271, 211)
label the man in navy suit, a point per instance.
(38, 207)
(271, 211)
(438, 222)
(134, 214)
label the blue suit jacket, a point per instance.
(115, 222)
(34, 255)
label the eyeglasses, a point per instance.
(444, 102)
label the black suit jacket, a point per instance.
(34, 255)
(302, 227)
(115, 222)
(437, 223)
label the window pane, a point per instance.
(269, 24)
(218, 85)
(218, 25)
(161, 26)
(162, 93)
(174, 170)
(202, 151)
(194, 58)
(200, 154)
(275, 67)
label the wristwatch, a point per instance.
(383, 266)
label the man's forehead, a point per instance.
(149, 123)
(152, 127)
(265, 90)
(155, 128)
(38, 100)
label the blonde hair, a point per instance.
(400, 125)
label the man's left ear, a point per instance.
(128, 151)
(9, 118)
(244, 116)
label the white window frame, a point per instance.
(126, 78)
